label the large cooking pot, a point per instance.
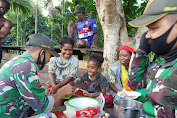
(124, 108)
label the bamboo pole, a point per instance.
(63, 12)
(36, 18)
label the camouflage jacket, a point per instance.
(160, 80)
(20, 88)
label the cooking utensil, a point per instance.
(124, 108)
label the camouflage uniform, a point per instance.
(159, 78)
(20, 89)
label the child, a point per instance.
(62, 69)
(94, 82)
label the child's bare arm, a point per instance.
(95, 94)
(114, 88)
(52, 78)
(73, 83)
(103, 91)
(64, 82)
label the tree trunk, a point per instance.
(63, 12)
(111, 16)
(17, 27)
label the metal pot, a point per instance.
(127, 108)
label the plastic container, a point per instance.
(85, 107)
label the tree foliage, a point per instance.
(133, 9)
(24, 6)
(26, 19)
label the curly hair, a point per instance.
(97, 57)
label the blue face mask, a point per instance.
(39, 61)
(159, 45)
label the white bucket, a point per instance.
(84, 107)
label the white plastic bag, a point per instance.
(101, 99)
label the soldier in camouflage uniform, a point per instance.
(160, 76)
(19, 82)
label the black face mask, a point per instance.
(159, 45)
(39, 61)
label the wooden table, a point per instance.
(76, 51)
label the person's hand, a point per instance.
(93, 46)
(51, 90)
(122, 94)
(47, 91)
(76, 90)
(67, 89)
(87, 94)
(105, 116)
(144, 45)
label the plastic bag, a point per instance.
(101, 99)
(88, 112)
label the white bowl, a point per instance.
(133, 94)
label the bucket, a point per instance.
(124, 108)
(83, 107)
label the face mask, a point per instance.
(159, 45)
(39, 61)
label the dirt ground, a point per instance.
(44, 77)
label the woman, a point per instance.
(118, 72)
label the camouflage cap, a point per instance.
(40, 40)
(155, 10)
(79, 9)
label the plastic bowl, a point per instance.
(83, 102)
(133, 94)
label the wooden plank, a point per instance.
(56, 48)
(76, 51)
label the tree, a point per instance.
(19, 7)
(112, 18)
(26, 24)
(23, 6)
